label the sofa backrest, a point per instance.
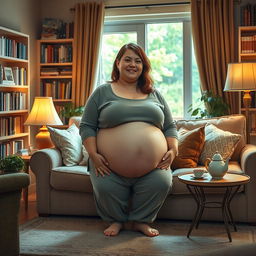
(232, 123)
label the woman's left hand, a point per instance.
(166, 160)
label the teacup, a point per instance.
(198, 173)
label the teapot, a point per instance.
(216, 166)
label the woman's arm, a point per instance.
(168, 157)
(99, 161)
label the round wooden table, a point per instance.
(231, 184)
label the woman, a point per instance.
(129, 134)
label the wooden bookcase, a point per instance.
(247, 53)
(14, 93)
(56, 71)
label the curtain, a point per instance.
(213, 36)
(89, 20)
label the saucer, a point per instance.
(198, 178)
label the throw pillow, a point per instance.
(190, 146)
(69, 143)
(85, 157)
(218, 140)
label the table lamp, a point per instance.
(242, 77)
(43, 113)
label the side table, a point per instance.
(231, 184)
(26, 160)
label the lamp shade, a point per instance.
(43, 113)
(241, 77)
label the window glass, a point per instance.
(165, 51)
(111, 44)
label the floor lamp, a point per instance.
(242, 77)
(43, 113)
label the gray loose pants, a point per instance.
(130, 199)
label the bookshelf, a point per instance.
(56, 70)
(14, 91)
(247, 53)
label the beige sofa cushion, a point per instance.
(233, 123)
(72, 178)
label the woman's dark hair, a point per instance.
(145, 81)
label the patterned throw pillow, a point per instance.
(218, 140)
(69, 143)
(190, 145)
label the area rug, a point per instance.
(69, 236)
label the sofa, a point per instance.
(67, 190)
(11, 186)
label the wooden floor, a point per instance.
(31, 213)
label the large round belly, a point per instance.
(132, 149)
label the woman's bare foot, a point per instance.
(145, 229)
(113, 229)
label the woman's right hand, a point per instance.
(100, 164)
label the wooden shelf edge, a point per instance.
(15, 136)
(56, 64)
(60, 40)
(55, 77)
(23, 111)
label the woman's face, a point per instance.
(130, 66)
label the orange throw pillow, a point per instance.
(190, 145)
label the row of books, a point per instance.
(10, 147)
(57, 53)
(10, 125)
(12, 48)
(13, 75)
(56, 89)
(248, 44)
(248, 15)
(12, 101)
(56, 29)
(56, 71)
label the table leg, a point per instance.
(225, 212)
(199, 198)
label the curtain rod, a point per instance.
(149, 5)
(140, 5)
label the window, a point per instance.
(168, 45)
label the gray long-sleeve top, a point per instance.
(104, 109)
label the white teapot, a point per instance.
(216, 166)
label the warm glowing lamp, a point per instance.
(242, 77)
(43, 113)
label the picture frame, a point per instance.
(8, 74)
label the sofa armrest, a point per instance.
(41, 163)
(248, 163)
(13, 182)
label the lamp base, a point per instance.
(247, 99)
(43, 139)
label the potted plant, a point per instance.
(11, 163)
(70, 110)
(214, 106)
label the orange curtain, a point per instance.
(213, 35)
(89, 20)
